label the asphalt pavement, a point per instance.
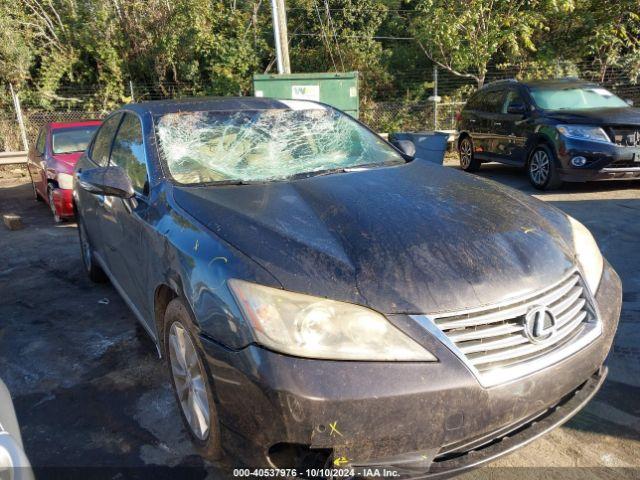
(91, 392)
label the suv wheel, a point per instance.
(542, 169)
(96, 274)
(190, 380)
(468, 162)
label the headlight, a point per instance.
(65, 181)
(312, 327)
(587, 253)
(584, 132)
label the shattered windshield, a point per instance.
(265, 145)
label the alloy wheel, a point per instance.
(52, 206)
(188, 378)
(539, 167)
(466, 154)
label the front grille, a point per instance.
(494, 343)
(623, 164)
(625, 136)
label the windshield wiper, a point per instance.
(330, 171)
(229, 182)
(317, 173)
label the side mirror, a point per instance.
(629, 102)
(406, 146)
(516, 108)
(112, 181)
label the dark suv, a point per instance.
(560, 130)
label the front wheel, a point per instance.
(542, 169)
(468, 162)
(190, 380)
(95, 273)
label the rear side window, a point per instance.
(102, 142)
(493, 101)
(128, 152)
(42, 137)
(475, 102)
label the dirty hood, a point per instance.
(415, 238)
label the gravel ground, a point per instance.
(91, 392)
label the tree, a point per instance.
(608, 33)
(464, 37)
(338, 35)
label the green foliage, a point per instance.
(340, 39)
(82, 53)
(464, 37)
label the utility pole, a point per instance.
(436, 98)
(280, 35)
(16, 106)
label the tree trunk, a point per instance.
(481, 77)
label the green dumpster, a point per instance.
(339, 90)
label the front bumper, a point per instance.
(426, 418)
(63, 201)
(605, 161)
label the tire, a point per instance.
(94, 271)
(468, 162)
(542, 169)
(190, 380)
(52, 205)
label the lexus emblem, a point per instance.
(539, 324)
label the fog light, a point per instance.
(578, 161)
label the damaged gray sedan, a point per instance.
(328, 304)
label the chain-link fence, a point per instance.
(10, 139)
(394, 115)
(410, 116)
(381, 116)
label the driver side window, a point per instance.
(102, 142)
(128, 152)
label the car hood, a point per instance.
(606, 116)
(66, 161)
(415, 238)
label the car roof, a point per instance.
(160, 107)
(81, 123)
(559, 83)
(550, 83)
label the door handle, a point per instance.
(497, 124)
(472, 120)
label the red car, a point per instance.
(51, 161)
